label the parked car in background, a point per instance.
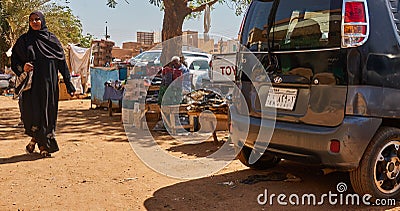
(145, 57)
(188, 54)
(221, 75)
(119, 63)
(153, 56)
(223, 68)
(199, 70)
(4, 82)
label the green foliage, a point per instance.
(59, 19)
(16, 14)
(4, 44)
(86, 40)
(112, 3)
(14, 22)
(63, 23)
(158, 3)
(239, 6)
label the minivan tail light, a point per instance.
(354, 12)
(355, 23)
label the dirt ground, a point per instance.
(96, 169)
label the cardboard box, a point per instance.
(62, 93)
(127, 116)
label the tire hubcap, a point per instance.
(387, 168)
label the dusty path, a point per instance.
(96, 169)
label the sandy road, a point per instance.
(96, 169)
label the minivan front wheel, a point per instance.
(266, 161)
(379, 171)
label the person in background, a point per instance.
(40, 51)
(180, 64)
(172, 71)
(183, 61)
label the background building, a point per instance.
(135, 47)
(122, 54)
(206, 46)
(190, 38)
(146, 38)
(157, 37)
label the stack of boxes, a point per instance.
(133, 105)
(102, 52)
(153, 108)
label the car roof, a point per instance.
(192, 59)
(185, 53)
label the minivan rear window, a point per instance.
(298, 25)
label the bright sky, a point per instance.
(139, 15)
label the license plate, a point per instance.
(281, 98)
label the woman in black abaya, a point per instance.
(40, 52)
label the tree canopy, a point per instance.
(59, 19)
(14, 22)
(176, 11)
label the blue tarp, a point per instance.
(98, 77)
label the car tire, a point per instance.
(379, 171)
(266, 161)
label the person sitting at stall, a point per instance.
(171, 72)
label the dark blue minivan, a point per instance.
(329, 92)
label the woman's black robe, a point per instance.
(40, 103)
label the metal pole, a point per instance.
(106, 31)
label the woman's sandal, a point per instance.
(31, 146)
(44, 153)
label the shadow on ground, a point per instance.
(21, 158)
(72, 123)
(226, 192)
(95, 122)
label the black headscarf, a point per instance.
(45, 41)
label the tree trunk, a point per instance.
(175, 12)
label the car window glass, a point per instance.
(199, 65)
(139, 56)
(150, 56)
(306, 25)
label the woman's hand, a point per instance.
(71, 94)
(70, 88)
(28, 67)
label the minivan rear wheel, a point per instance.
(379, 171)
(267, 160)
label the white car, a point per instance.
(154, 56)
(145, 57)
(199, 69)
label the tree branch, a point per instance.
(203, 6)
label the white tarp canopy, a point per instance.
(79, 59)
